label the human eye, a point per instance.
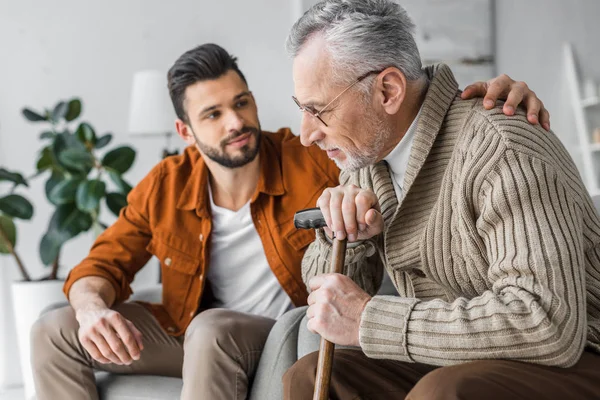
(213, 115)
(242, 103)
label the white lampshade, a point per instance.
(150, 110)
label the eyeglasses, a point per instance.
(317, 113)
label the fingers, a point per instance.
(316, 316)
(323, 203)
(545, 118)
(374, 222)
(533, 105)
(113, 339)
(344, 209)
(126, 337)
(105, 350)
(477, 89)
(136, 334)
(350, 217)
(497, 89)
(515, 93)
(335, 211)
(317, 281)
(93, 350)
(363, 205)
(116, 344)
(514, 98)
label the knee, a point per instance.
(464, 382)
(51, 331)
(212, 326)
(299, 380)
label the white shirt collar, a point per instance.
(399, 156)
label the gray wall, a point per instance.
(530, 35)
(61, 48)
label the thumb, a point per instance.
(374, 218)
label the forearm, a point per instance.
(511, 325)
(91, 292)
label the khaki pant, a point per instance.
(216, 358)
(355, 376)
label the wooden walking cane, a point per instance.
(312, 218)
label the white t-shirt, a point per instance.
(398, 158)
(238, 272)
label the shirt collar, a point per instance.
(270, 181)
(398, 158)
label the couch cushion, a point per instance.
(138, 387)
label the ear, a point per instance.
(391, 90)
(185, 132)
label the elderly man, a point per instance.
(481, 221)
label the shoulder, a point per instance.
(517, 134)
(172, 172)
(296, 157)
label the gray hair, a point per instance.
(361, 36)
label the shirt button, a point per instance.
(200, 276)
(171, 329)
(192, 313)
(168, 261)
(201, 237)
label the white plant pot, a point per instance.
(29, 299)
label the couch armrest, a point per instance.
(279, 354)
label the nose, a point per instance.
(235, 122)
(310, 130)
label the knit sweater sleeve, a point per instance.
(530, 226)
(363, 262)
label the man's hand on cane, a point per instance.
(351, 212)
(335, 307)
(336, 303)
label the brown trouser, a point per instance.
(355, 376)
(216, 358)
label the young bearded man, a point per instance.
(219, 218)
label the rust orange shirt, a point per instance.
(168, 216)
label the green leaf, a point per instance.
(103, 140)
(74, 110)
(67, 218)
(54, 179)
(115, 202)
(64, 192)
(46, 160)
(119, 159)
(77, 159)
(64, 141)
(85, 133)
(122, 185)
(32, 115)
(47, 135)
(60, 110)
(16, 206)
(89, 194)
(13, 177)
(8, 227)
(50, 246)
(66, 223)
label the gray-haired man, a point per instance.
(481, 221)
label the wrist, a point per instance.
(91, 305)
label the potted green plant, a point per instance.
(80, 174)
(13, 206)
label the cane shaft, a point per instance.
(325, 361)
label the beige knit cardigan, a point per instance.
(494, 250)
